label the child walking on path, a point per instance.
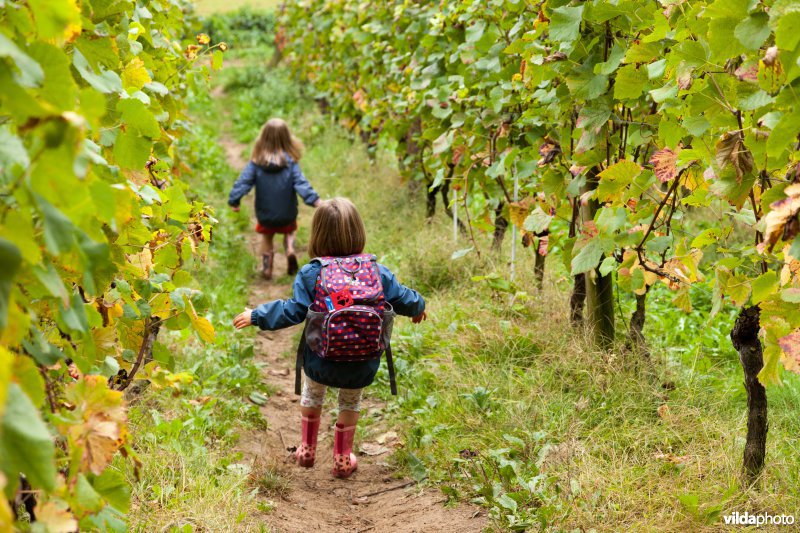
(276, 175)
(348, 301)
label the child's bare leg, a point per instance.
(291, 258)
(311, 412)
(266, 255)
(266, 243)
(288, 242)
(347, 418)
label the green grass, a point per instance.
(211, 7)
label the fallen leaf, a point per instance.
(388, 437)
(373, 449)
(672, 458)
(258, 398)
(663, 411)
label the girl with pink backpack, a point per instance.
(348, 302)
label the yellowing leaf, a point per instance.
(782, 221)
(200, 324)
(96, 427)
(55, 517)
(790, 344)
(105, 341)
(134, 75)
(203, 328)
(56, 20)
(682, 300)
(6, 362)
(518, 211)
(6, 516)
(142, 262)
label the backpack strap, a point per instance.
(324, 261)
(299, 361)
(390, 367)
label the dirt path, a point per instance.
(373, 499)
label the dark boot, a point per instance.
(292, 267)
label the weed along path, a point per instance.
(374, 498)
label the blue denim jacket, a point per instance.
(277, 188)
(284, 313)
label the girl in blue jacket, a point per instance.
(336, 231)
(277, 177)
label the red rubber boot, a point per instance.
(307, 451)
(344, 460)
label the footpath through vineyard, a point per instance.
(374, 499)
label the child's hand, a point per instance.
(236, 208)
(317, 202)
(419, 318)
(243, 320)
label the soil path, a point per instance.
(374, 499)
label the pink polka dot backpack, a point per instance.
(349, 319)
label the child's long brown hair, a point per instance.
(336, 230)
(273, 144)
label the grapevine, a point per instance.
(98, 238)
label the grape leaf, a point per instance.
(54, 516)
(96, 426)
(59, 87)
(664, 165)
(537, 221)
(30, 73)
(131, 150)
(731, 151)
(630, 82)
(111, 485)
(10, 261)
(764, 286)
(753, 31)
(56, 20)
(587, 258)
(790, 344)
(565, 23)
(25, 443)
(106, 82)
(134, 75)
(138, 118)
